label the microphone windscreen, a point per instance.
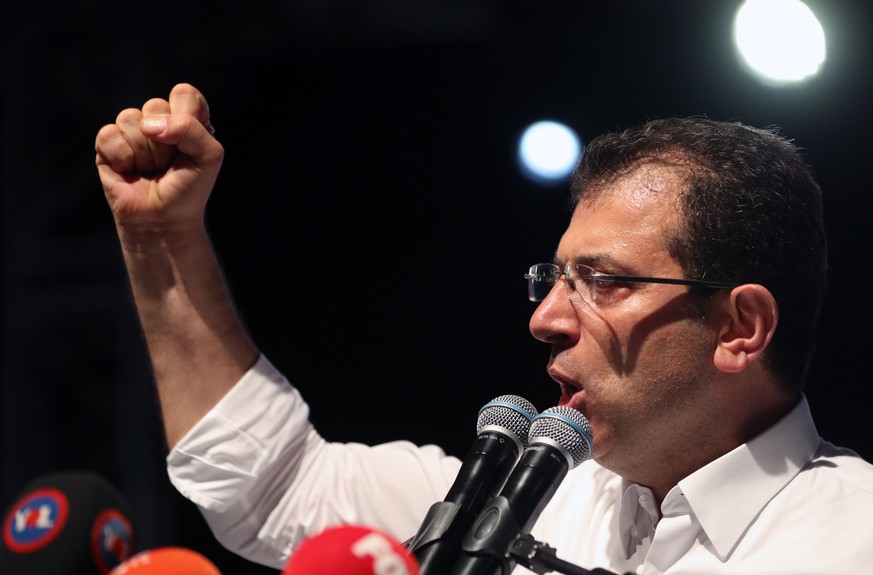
(351, 550)
(67, 523)
(167, 561)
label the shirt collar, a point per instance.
(728, 493)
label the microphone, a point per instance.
(560, 439)
(67, 523)
(167, 561)
(502, 429)
(351, 550)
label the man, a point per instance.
(681, 310)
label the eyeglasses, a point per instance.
(592, 286)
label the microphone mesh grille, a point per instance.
(508, 411)
(568, 428)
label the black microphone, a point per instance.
(502, 430)
(67, 523)
(560, 439)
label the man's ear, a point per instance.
(751, 315)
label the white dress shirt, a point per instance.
(787, 502)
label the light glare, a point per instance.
(548, 151)
(780, 41)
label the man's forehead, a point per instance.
(629, 218)
(646, 184)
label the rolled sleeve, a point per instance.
(264, 479)
(220, 458)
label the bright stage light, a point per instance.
(548, 152)
(780, 41)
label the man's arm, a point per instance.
(158, 166)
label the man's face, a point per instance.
(638, 360)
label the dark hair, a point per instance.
(752, 213)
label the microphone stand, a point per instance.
(540, 558)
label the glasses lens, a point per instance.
(540, 279)
(583, 284)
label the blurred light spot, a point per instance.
(548, 152)
(779, 41)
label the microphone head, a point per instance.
(352, 550)
(167, 561)
(510, 412)
(66, 523)
(568, 429)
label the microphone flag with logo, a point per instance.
(66, 523)
(351, 550)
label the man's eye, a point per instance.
(605, 292)
(605, 283)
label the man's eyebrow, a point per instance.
(595, 261)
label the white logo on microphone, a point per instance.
(386, 561)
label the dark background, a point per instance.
(371, 218)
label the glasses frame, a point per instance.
(557, 272)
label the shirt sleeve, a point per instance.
(264, 478)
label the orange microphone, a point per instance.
(352, 550)
(167, 561)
